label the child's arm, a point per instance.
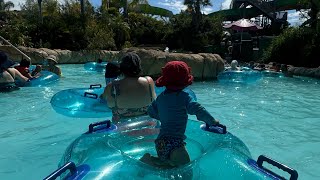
(194, 108)
(153, 110)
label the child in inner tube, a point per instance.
(172, 107)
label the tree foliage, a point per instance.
(296, 46)
(63, 26)
(6, 6)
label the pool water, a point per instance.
(277, 117)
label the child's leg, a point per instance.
(147, 158)
(154, 161)
(179, 156)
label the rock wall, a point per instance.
(204, 65)
(63, 56)
(308, 72)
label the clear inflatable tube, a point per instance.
(114, 153)
(81, 102)
(85, 102)
(271, 74)
(45, 78)
(93, 66)
(239, 76)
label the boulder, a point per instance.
(308, 72)
(204, 65)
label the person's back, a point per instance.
(23, 68)
(131, 95)
(172, 108)
(134, 92)
(8, 74)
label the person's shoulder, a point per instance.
(146, 78)
(149, 78)
(12, 69)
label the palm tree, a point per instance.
(6, 6)
(194, 6)
(125, 4)
(82, 7)
(40, 10)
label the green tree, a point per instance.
(124, 4)
(194, 7)
(6, 6)
(314, 12)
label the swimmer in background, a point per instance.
(99, 61)
(260, 67)
(112, 72)
(234, 66)
(23, 68)
(171, 108)
(284, 70)
(50, 64)
(8, 74)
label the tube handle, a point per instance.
(292, 172)
(91, 95)
(68, 166)
(92, 86)
(92, 125)
(223, 127)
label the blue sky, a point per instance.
(176, 5)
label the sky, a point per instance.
(177, 5)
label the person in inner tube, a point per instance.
(50, 64)
(112, 72)
(23, 68)
(8, 74)
(172, 107)
(131, 95)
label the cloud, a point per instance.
(177, 5)
(295, 19)
(207, 10)
(226, 4)
(17, 3)
(173, 5)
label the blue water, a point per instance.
(278, 117)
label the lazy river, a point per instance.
(275, 116)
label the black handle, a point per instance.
(92, 86)
(70, 165)
(292, 172)
(92, 125)
(223, 127)
(91, 95)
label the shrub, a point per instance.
(296, 46)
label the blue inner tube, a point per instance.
(115, 152)
(93, 66)
(271, 74)
(239, 76)
(85, 102)
(45, 78)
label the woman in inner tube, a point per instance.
(131, 95)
